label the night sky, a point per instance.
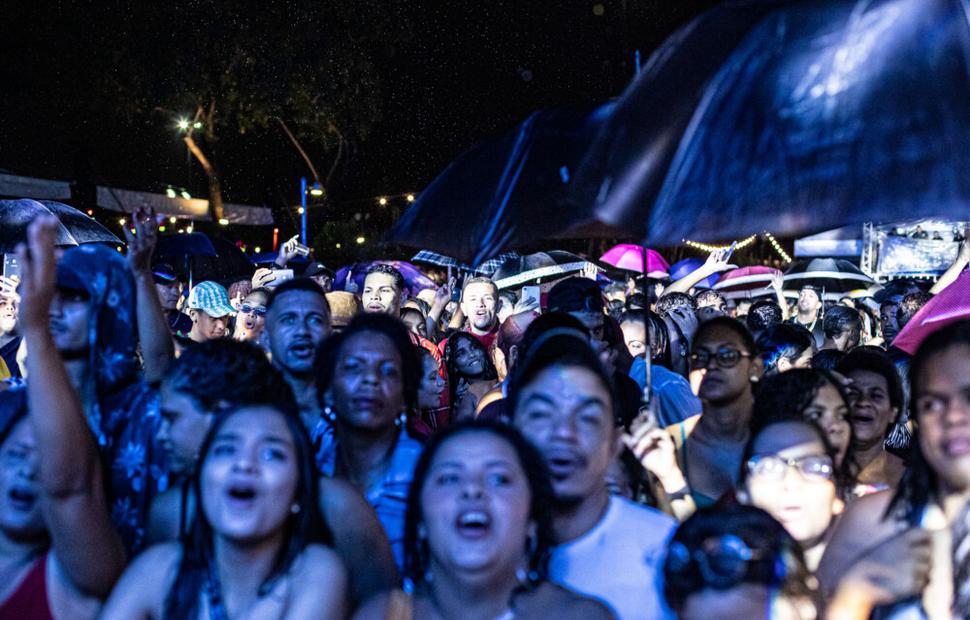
(448, 74)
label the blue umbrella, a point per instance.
(790, 116)
(684, 267)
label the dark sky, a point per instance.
(457, 73)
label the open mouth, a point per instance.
(473, 524)
(302, 350)
(375, 308)
(956, 446)
(241, 494)
(22, 498)
(562, 466)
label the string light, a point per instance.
(223, 222)
(777, 246)
(121, 221)
(410, 197)
(257, 249)
(173, 220)
(382, 201)
(360, 240)
(713, 248)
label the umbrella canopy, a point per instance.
(538, 268)
(746, 282)
(487, 268)
(949, 306)
(206, 258)
(505, 192)
(74, 226)
(832, 275)
(629, 257)
(791, 116)
(683, 268)
(185, 244)
(415, 280)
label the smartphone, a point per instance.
(531, 291)
(731, 251)
(10, 266)
(456, 290)
(280, 276)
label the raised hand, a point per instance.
(287, 251)
(37, 273)
(589, 271)
(141, 244)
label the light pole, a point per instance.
(303, 210)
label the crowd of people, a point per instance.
(272, 448)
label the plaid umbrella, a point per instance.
(487, 268)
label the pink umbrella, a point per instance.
(746, 282)
(949, 306)
(630, 257)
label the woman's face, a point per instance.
(790, 477)
(252, 316)
(475, 505)
(249, 476)
(432, 385)
(367, 391)
(469, 359)
(872, 413)
(941, 399)
(831, 412)
(729, 369)
(20, 514)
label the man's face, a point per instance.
(324, 281)
(808, 300)
(168, 294)
(70, 311)
(206, 327)
(848, 339)
(8, 314)
(594, 322)
(183, 427)
(729, 368)
(566, 412)
(381, 294)
(887, 317)
(478, 304)
(296, 324)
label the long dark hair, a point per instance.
(920, 485)
(416, 553)
(198, 567)
(489, 373)
(786, 396)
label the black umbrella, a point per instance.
(831, 275)
(791, 116)
(506, 192)
(75, 227)
(206, 258)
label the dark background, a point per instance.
(78, 81)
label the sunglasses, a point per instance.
(726, 357)
(722, 560)
(773, 467)
(257, 310)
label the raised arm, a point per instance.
(157, 348)
(75, 502)
(716, 262)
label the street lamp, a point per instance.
(316, 190)
(183, 124)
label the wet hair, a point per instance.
(301, 529)
(416, 552)
(827, 359)
(920, 485)
(479, 280)
(783, 341)
(241, 288)
(563, 347)
(614, 287)
(785, 397)
(221, 372)
(839, 319)
(389, 270)
(546, 323)
(379, 323)
(705, 296)
(762, 315)
(262, 290)
(636, 301)
(297, 284)
(778, 562)
(874, 359)
(405, 311)
(909, 306)
(671, 301)
(723, 322)
(489, 373)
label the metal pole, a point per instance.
(303, 210)
(647, 370)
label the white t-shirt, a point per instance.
(620, 561)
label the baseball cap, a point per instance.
(317, 269)
(575, 295)
(164, 273)
(211, 298)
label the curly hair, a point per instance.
(783, 341)
(670, 301)
(389, 270)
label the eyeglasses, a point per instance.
(773, 467)
(726, 357)
(257, 310)
(722, 560)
